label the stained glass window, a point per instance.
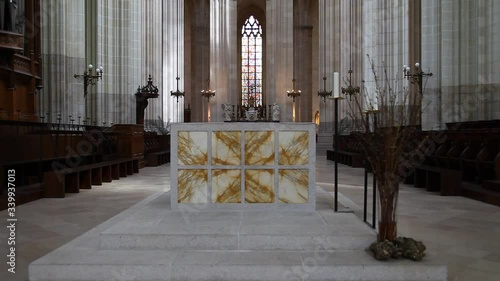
(251, 63)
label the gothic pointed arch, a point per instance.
(251, 34)
(251, 62)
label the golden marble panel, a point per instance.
(293, 148)
(226, 186)
(192, 148)
(226, 148)
(293, 186)
(192, 186)
(259, 186)
(259, 148)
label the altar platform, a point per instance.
(152, 242)
(243, 166)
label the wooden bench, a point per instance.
(494, 183)
(446, 181)
(158, 158)
(352, 159)
(58, 182)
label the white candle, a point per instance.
(375, 101)
(371, 101)
(336, 86)
(366, 104)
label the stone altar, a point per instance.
(243, 165)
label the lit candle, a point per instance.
(336, 86)
(209, 111)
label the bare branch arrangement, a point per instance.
(390, 121)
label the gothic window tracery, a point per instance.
(251, 63)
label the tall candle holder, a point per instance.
(208, 94)
(294, 93)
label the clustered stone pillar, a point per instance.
(415, 50)
(302, 53)
(200, 62)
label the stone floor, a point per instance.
(462, 233)
(152, 242)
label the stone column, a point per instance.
(330, 15)
(200, 59)
(165, 55)
(279, 55)
(223, 66)
(302, 54)
(414, 48)
(152, 54)
(353, 30)
(63, 55)
(231, 39)
(119, 45)
(386, 41)
(460, 46)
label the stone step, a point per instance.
(316, 241)
(242, 230)
(157, 265)
(254, 238)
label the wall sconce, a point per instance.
(89, 78)
(416, 77)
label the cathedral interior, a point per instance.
(89, 90)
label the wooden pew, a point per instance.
(158, 158)
(70, 180)
(467, 163)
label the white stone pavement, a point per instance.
(151, 242)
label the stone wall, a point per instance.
(119, 51)
(102, 33)
(460, 42)
(133, 39)
(63, 55)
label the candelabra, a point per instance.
(178, 94)
(208, 94)
(324, 94)
(417, 76)
(350, 89)
(293, 94)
